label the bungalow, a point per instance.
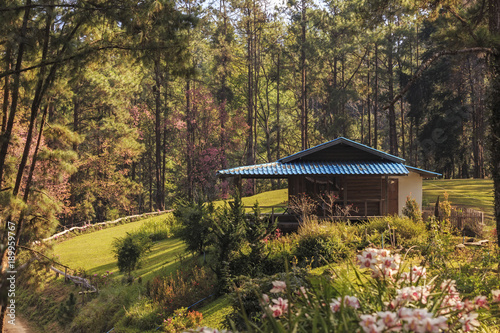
(374, 182)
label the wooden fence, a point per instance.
(469, 221)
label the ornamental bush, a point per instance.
(397, 231)
(129, 250)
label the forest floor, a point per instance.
(20, 327)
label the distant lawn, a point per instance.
(93, 251)
(270, 198)
(473, 193)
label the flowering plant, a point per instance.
(381, 295)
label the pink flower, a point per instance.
(496, 296)
(469, 321)
(389, 319)
(265, 299)
(278, 287)
(349, 301)
(335, 305)
(280, 306)
(369, 324)
(481, 302)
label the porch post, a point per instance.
(386, 194)
(237, 183)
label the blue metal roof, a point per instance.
(425, 173)
(278, 169)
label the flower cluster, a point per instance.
(349, 301)
(412, 320)
(380, 262)
(411, 294)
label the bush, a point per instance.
(412, 210)
(182, 320)
(66, 311)
(315, 250)
(196, 220)
(320, 241)
(398, 231)
(160, 227)
(182, 288)
(129, 250)
(245, 295)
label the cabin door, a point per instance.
(392, 196)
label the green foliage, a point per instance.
(196, 220)
(67, 310)
(369, 300)
(397, 231)
(142, 315)
(319, 250)
(245, 295)
(182, 288)
(182, 320)
(129, 250)
(318, 242)
(412, 210)
(228, 231)
(445, 212)
(160, 228)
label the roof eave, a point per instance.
(424, 173)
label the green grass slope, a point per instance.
(473, 193)
(94, 251)
(266, 199)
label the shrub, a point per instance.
(66, 311)
(182, 288)
(315, 250)
(160, 227)
(228, 233)
(182, 320)
(245, 295)
(319, 241)
(398, 231)
(196, 221)
(412, 210)
(129, 250)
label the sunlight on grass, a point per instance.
(94, 251)
(215, 312)
(473, 193)
(270, 198)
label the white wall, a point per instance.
(410, 185)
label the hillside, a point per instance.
(94, 251)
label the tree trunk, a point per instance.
(303, 90)
(158, 148)
(368, 103)
(494, 26)
(5, 106)
(393, 145)
(375, 102)
(6, 135)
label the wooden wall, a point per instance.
(366, 193)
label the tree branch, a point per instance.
(426, 65)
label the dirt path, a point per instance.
(20, 327)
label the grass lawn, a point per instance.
(215, 312)
(93, 251)
(473, 193)
(265, 199)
